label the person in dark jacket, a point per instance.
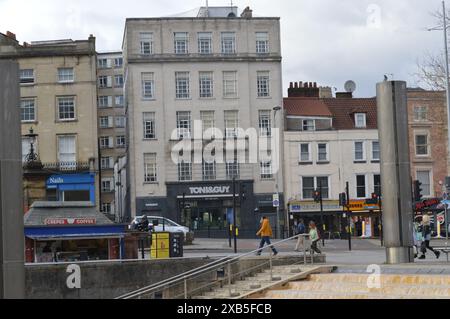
(301, 229)
(426, 234)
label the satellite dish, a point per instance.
(350, 86)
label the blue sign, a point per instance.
(230, 216)
(73, 182)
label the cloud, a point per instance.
(325, 41)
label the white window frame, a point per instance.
(118, 81)
(120, 122)
(116, 64)
(209, 171)
(107, 124)
(373, 151)
(364, 159)
(420, 113)
(68, 77)
(121, 138)
(263, 84)
(230, 84)
(232, 169)
(185, 171)
(231, 123)
(266, 170)
(206, 84)
(362, 116)
(119, 101)
(148, 85)
(309, 160)
(208, 122)
(181, 41)
(111, 185)
(307, 126)
(146, 43)
(416, 135)
(184, 124)
(107, 208)
(430, 180)
(365, 186)
(102, 99)
(28, 106)
(262, 42)
(67, 164)
(102, 63)
(150, 168)
(204, 38)
(109, 144)
(149, 125)
(182, 85)
(327, 149)
(265, 123)
(27, 77)
(59, 99)
(228, 42)
(107, 162)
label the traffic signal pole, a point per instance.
(347, 191)
(321, 214)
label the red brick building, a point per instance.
(428, 139)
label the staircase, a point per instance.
(356, 286)
(258, 283)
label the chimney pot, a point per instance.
(291, 85)
(296, 85)
(11, 35)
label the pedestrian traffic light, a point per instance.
(418, 191)
(317, 196)
(343, 199)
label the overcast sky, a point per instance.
(324, 41)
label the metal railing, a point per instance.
(206, 278)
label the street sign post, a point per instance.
(276, 200)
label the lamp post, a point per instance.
(32, 156)
(276, 109)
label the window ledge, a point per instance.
(29, 122)
(359, 162)
(305, 163)
(151, 183)
(148, 99)
(376, 161)
(323, 163)
(264, 97)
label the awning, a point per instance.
(43, 237)
(88, 232)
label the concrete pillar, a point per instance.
(12, 279)
(395, 171)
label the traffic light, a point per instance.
(374, 199)
(317, 196)
(418, 191)
(243, 191)
(343, 199)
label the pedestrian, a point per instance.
(426, 234)
(265, 233)
(301, 230)
(314, 237)
(417, 233)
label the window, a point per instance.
(311, 184)
(107, 162)
(231, 124)
(359, 152)
(361, 186)
(422, 145)
(228, 43)
(118, 81)
(66, 108)
(263, 84)
(102, 63)
(230, 84)
(425, 178)
(266, 170)
(150, 168)
(308, 125)
(27, 76)
(106, 208)
(232, 169)
(146, 43)
(121, 141)
(205, 43)
(182, 85)
(262, 42)
(265, 123)
(65, 75)
(149, 126)
(376, 151)
(119, 101)
(377, 184)
(181, 43)
(184, 125)
(118, 62)
(104, 81)
(184, 171)
(322, 152)
(208, 122)
(28, 110)
(209, 170)
(26, 146)
(121, 121)
(322, 182)
(206, 84)
(420, 113)
(104, 101)
(106, 122)
(107, 185)
(360, 120)
(305, 153)
(148, 85)
(67, 154)
(106, 142)
(308, 187)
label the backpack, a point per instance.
(301, 229)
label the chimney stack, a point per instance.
(11, 35)
(304, 89)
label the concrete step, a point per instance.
(385, 279)
(300, 295)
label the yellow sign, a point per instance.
(160, 246)
(361, 205)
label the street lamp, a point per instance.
(276, 109)
(32, 156)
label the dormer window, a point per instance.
(308, 125)
(361, 120)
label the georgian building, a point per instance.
(327, 143)
(219, 68)
(58, 103)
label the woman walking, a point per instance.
(426, 235)
(314, 236)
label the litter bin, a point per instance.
(176, 245)
(160, 246)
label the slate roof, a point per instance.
(40, 211)
(300, 106)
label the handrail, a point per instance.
(214, 265)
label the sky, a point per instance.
(323, 41)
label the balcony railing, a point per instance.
(64, 166)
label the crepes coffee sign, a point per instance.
(70, 221)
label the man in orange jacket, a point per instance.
(266, 233)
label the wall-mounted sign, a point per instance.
(361, 205)
(427, 204)
(210, 190)
(310, 206)
(70, 221)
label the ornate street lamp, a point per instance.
(32, 159)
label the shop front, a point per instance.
(69, 232)
(72, 187)
(366, 219)
(435, 208)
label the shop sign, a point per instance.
(361, 205)
(427, 204)
(310, 206)
(70, 221)
(210, 190)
